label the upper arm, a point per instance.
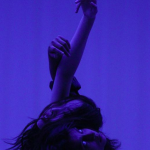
(61, 87)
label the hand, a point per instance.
(59, 47)
(89, 7)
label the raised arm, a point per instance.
(68, 64)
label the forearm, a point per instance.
(68, 65)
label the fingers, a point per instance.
(67, 42)
(58, 47)
(55, 53)
(94, 1)
(77, 7)
(78, 4)
(77, 1)
(94, 5)
(61, 45)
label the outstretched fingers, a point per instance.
(78, 4)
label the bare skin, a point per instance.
(70, 54)
(61, 46)
(67, 57)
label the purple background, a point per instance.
(114, 71)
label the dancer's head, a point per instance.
(87, 139)
(66, 125)
(78, 108)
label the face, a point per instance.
(87, 139)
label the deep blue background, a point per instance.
(114, 71)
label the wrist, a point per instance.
(89, 17)
(89, 20)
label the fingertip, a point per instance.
(93, 4)
(77, 1)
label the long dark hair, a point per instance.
(54, 135)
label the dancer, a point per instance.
(71, 121)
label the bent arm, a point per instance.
(68, 65)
